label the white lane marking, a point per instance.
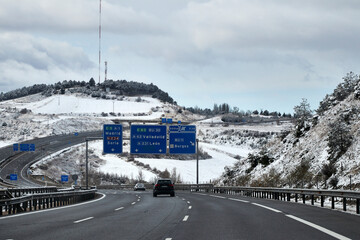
(188, 202)
(239, 200)
(185, 218)
(183, 199)
(269, 208)
(202, 194)
(53, 209)
(217, 196)
(138, 200)
(133, 203)
(83, 220)
(119, 208)
(168, 238)
(190, 207)
(322, 229)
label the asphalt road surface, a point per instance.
(18, 162)
(138, 215)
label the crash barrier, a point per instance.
(285, 194)
(177, 186)
(40, 201)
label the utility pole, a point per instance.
(99, 38)
(105, 70)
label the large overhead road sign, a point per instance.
(148, 139)
(182, 139)
(113, 136)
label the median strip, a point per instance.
(324, 230)
(83, 220)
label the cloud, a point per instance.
(24, 58)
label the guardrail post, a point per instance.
(312, 199)
(344, 204)
(288, 197)
(332, 202)
(357, 206)
(322, 200)
(303, 197)
(296, 197)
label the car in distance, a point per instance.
(139, 187)
(163, 186)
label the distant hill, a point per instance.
(119, 87)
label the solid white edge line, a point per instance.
(239, 200)
(269, 208)
(322, 229)
(119, 208)
(53, 209)
(83, 220)
(186, 218)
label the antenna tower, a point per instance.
(99, 38)
(105, 70)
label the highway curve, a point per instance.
(137, 215)
(16, 162)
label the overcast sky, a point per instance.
(258, 54)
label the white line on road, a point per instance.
(239, 200)
(82, 220)
(188, 202)
(133, 203)
(202, 194)
(54, 209)
(269, 208)
(190, 207)
(324, 230)
(119, 208)
(138, 200)
(217, 196)
(185, 218)
(168, 238)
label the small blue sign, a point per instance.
(64, 178)
(32, 147)
(148, 139)
(16, 147)
(76, 134)
(169, 120)
(13, 177)
(113, 137)
(182, 139)
(163, 120)
(24, 147)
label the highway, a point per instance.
(137, 215)
(18, 162)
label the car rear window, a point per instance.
(164, 182)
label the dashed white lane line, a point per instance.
(269, 208)
(138, 200)
(217, 196)
(133, 203)
(186, 218)
(238, 200)
(119, 208)
(188, 202)
(83, 220)
(190, 207)
(322, 229)
(168, 238)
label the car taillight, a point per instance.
(157, 185)
(171, 185)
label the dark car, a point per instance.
(164, 186)
(139, 187)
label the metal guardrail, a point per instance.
(32, 202)
(285, 194)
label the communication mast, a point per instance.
(99, 38)
(105, 70)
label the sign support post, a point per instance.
(197, 161)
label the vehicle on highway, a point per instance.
(139, 187)
(164, 186)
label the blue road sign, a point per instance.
(64, 178)
(16, 147)
(24, 147)
(148, 139)
(76, 133)
(163, 120)
(32, 147)
(13, 177)
(182, 139)
(113, 136)
(169, 120)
